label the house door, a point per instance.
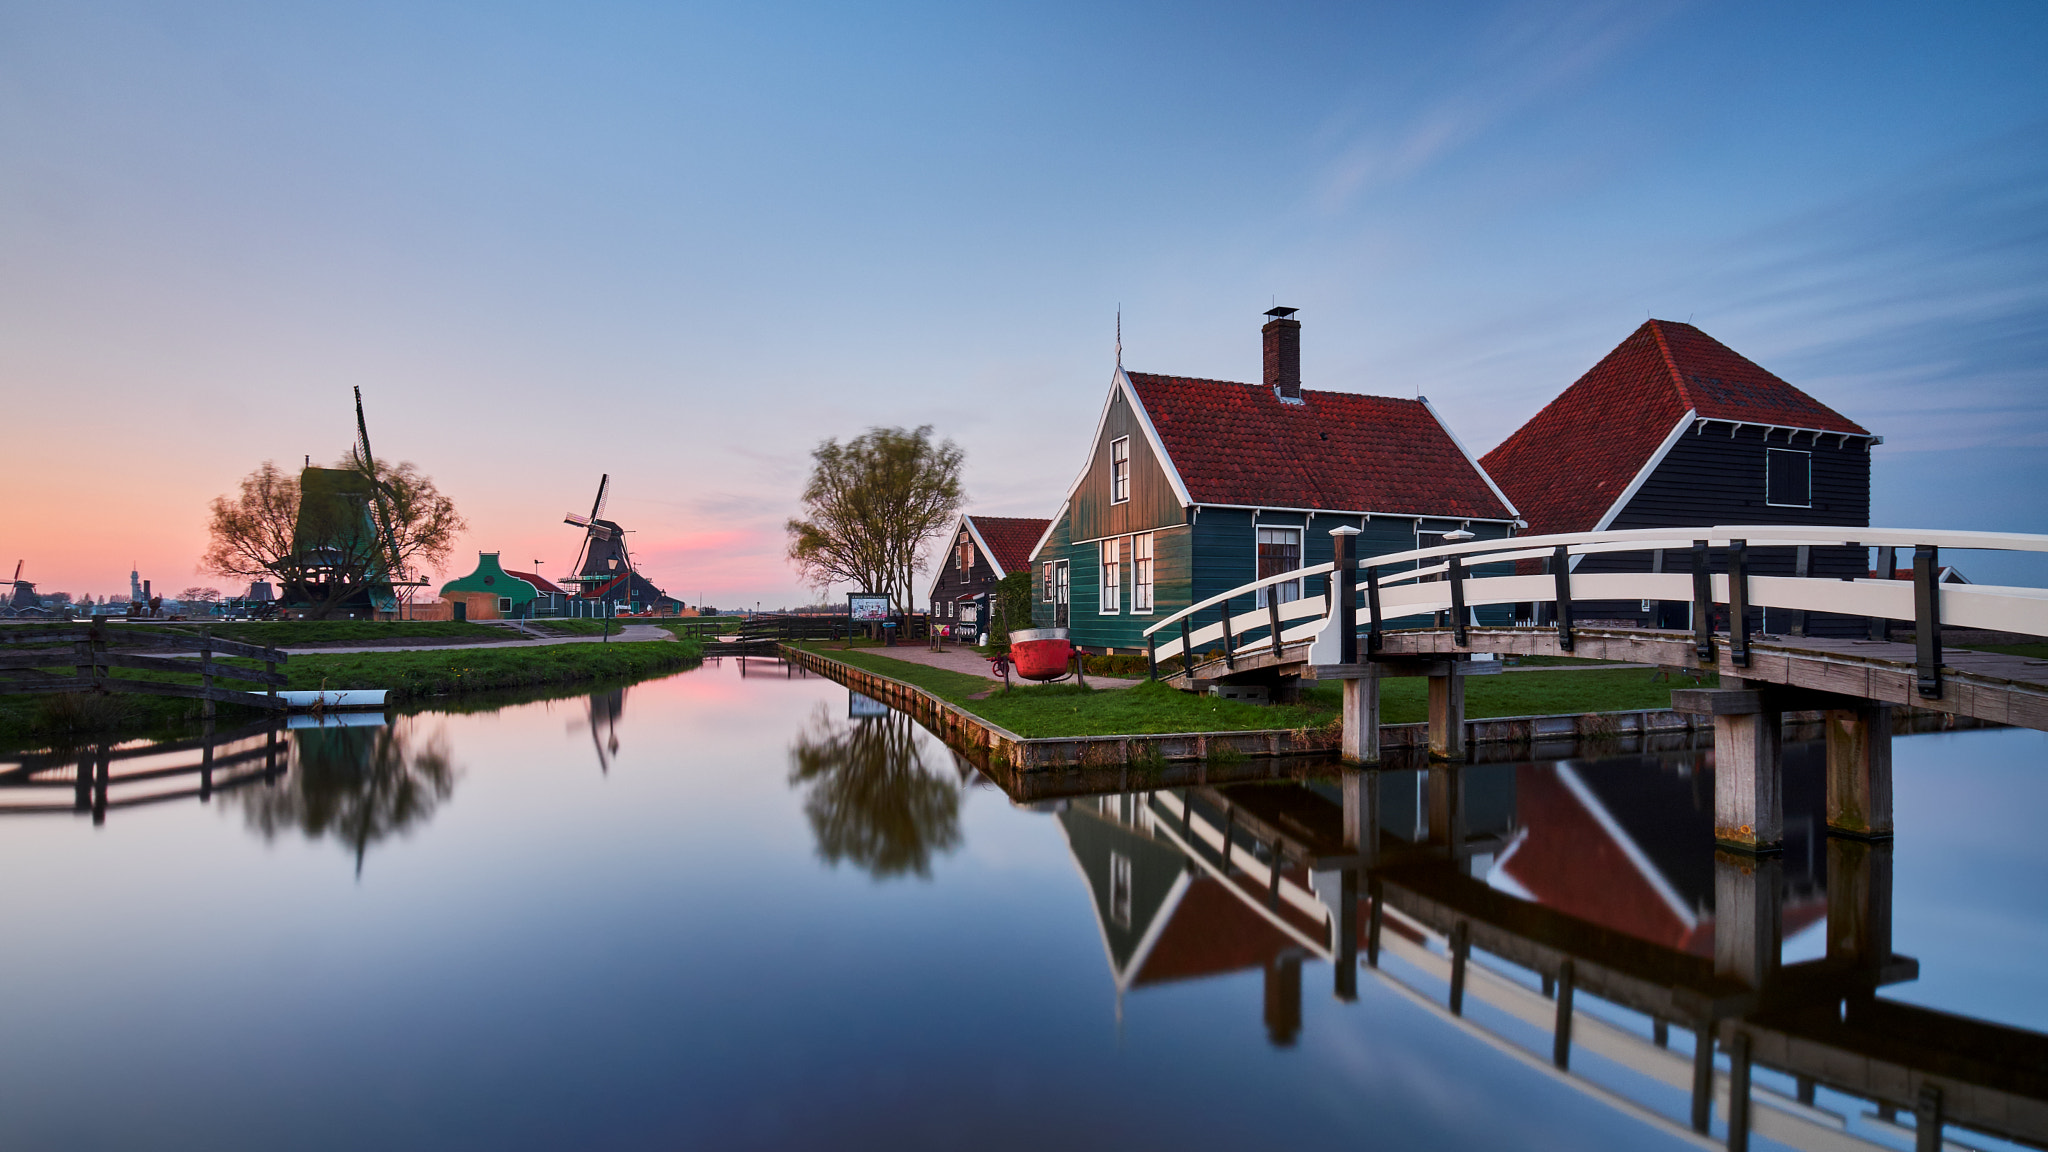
(1059, 594)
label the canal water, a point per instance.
(738, 908)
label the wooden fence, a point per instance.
(89, 664)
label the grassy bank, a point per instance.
(1070, 710)
(408, 676)
(297, 633)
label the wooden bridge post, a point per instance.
(1738, 603)
(1447, 715)
(1361, 736)
(1362, 814)
(1229, 641)
(1887, 569)
(1561, 575)
(1343, 595)
(1927, 618)
(1748, 916)
(1859, 903)
(1702, 604)
(1860, 770)
(1748, 789)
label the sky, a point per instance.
(682, 244)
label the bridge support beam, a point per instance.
(1860, 770)
(1447, 716)
(1748, 786)
(1361, 736)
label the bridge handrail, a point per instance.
(1286, 577)
(1719, 536)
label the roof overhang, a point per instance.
(1790, 430)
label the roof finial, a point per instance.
(1119, 335)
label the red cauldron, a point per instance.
(1041, 653)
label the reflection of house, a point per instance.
(1675, 429)
(1620, 843)
(982, 550)
(1194, 487)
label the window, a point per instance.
(1120, 470)
(504, 604)
(1120, 889)
(963, 555)
(1112, 575)
(1788, 478)
(1141, 573)
(1279, 551)
(1046, 568)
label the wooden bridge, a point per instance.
(1346, 635)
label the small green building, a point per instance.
(492, 593)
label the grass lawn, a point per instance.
(1070, 710)
(408, 676)
(2030, 651)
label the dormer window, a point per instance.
(1120, 470)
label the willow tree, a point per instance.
(871, 507)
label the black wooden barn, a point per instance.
(1674, 429)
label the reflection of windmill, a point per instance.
(604, 572)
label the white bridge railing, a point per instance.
(1365, 593)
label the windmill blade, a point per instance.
(576, 520)
(603, 489)
(381, 515)
(599, 532)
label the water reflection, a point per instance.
(605, 709)
(871, 798)
(355, 785)
(1554, 895)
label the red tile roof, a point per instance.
(1571, 461)
(1340, 451)
(535, 580)
(1009, 539)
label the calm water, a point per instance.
(715, 911)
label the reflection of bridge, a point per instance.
(1424, 875)
(1702, 574)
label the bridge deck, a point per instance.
(1981, 685)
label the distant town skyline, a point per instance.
(681, 246)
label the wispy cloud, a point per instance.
(1528, 53)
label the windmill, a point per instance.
(392, 557)
(604, 568)
(24, 590)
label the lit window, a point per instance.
(1112, 575)
(1141, 573)
(1120, 470)
(1047, 570)
(1788, 478)
(504, 604)
(1279, 551)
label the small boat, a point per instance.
(1041, 653)
(334, 699)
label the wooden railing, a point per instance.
(89, 664)
(1426, 581)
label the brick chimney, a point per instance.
(1283, 353)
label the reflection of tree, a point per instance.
(872, 800)
(358, 785)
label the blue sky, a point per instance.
(681, 244)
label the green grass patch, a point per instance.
(1069, 710)
(2030, 651)
(293, 633)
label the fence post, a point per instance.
(1887, 569)
(1927, 618)
(1152, 657)
(1372, 608)
(1457, 602)
(1738, 603)
(1561, 574)
(1342, 598)
(206, 672)
(1702, 604)
(1229, 641)
(1273, 619)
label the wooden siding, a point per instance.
(952, 582)
(1056, 548)
(1153, 503)
(1710, 477)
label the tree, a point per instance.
(870, 507)
(331, 537)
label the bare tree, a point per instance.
(330, 536)
(871, 506)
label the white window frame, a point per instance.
(1767, 477)
(1045, 579)
(1111, 569)
(504, 605)
(1301, 558)
(1120, 470)
(1141, 574)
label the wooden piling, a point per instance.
(1859, 757)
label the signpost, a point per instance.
(867, 608)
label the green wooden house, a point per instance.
(492, 593)
(1193, 487)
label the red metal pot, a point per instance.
(1041, 653)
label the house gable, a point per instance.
(1155, 497)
